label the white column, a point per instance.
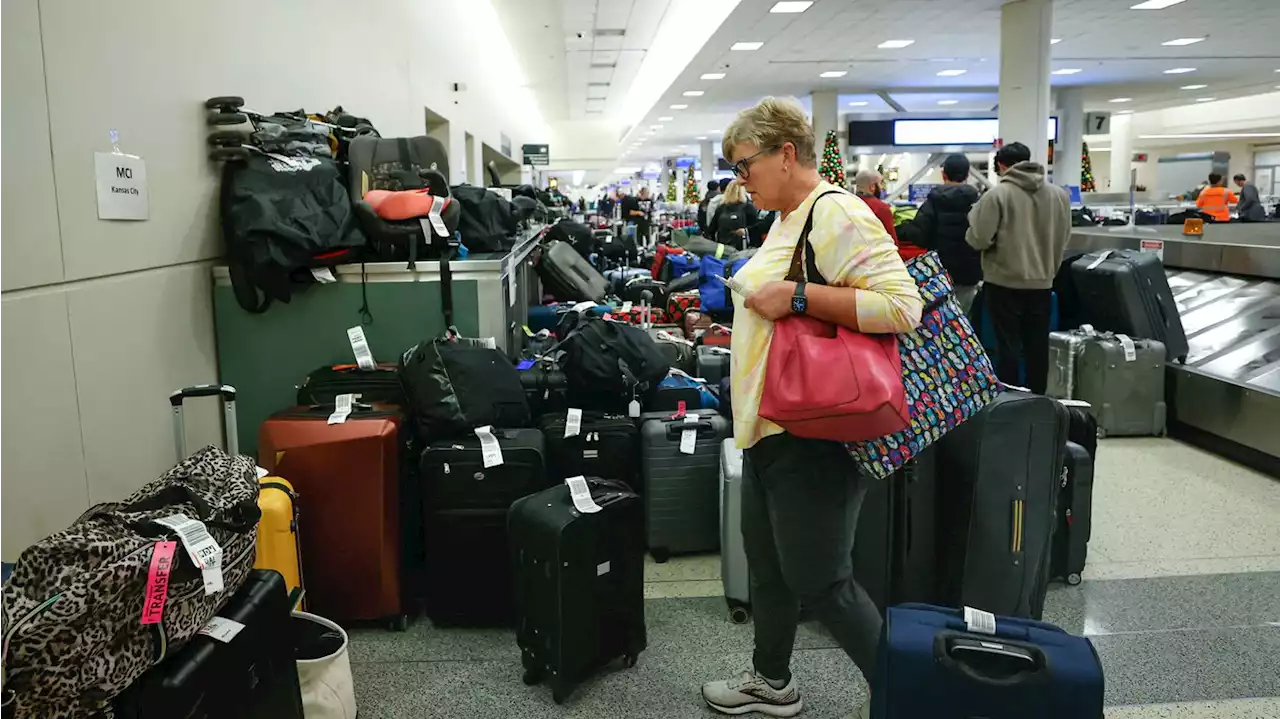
(826, 117)
(1121, 151)
(708, 164)
(1066, 159)
(663, 174)
(1025, 29)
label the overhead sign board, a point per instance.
(1097, 123)
(535, 155)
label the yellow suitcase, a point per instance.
(277, 546)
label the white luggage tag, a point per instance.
(666, 336)
(341, 408)
(489, 447)
(572, 423)
(222, 629)
(580, 493)
(1100, 259)
(626, 307)
(979, 622)
(323, 275)
(433, 214)
(583, 306)
(689, 437)
(1130, 350)
(360, 348)
(202, 548)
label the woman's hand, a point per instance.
(773, 300)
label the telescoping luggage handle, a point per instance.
(228, 395)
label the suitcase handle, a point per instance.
(228, 395)
(988, 661)
(675, 428)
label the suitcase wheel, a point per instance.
(226, 138)
(1073, 578)
(559, 692)
(225, 102)
(630, 660)
(398, 623)
(531, 676)
(660, 554)
(739, 615)
(229, 154)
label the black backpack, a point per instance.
(608, 362)
(487, 219)
(577, 235)
(280, 217)
(455, 386)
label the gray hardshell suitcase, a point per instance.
(713, 363)
(1064, 353)
(1124, 385)
(1127, 291)
(682, 494)
(733, 555)
(568, 276)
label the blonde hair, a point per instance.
(772, 123)
(734, 193)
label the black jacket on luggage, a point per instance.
(940, 226)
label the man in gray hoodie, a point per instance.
(1021, 227)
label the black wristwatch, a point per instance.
(799, 303)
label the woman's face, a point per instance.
(766, 174)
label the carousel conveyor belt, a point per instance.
(1227, 288)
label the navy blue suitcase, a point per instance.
(930, 665)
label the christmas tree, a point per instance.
(690, 188)
(832, 166)
(1086, 171)
(671, 187)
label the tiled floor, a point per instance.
(1181, 598)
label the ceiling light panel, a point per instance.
(947, 102)
(712, 76)
(1179, 70)
(834, 73)
(1205, 99)
(1154, 4)
(790, 7)
(1181, 41)
(895, 44)
(858, 103)
(1120, 99)
(1055, 41)
(1193, 87)
(692, 93)
(679, 107)
(951, 73)
(746, 46)
(666, 118)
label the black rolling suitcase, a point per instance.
(996, 504)
(1082, 426)
(894, 556)
(380, 384)
(568, 276)
(1075, 509)
(1127, 292)
(467, 573)
(605, 445)
(579, 579)
(243, 668)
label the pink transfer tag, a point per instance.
(158, 582)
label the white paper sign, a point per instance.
(222, 629)
(122, 186)
(1156, 246)
(360, 348)
(689, 437)
(489, 447)
(573, 423)
(979, 621)
(580, 493)
(511, 285)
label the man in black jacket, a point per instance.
(941, 223)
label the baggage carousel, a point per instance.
(1227, 288)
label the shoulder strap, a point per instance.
(803, 265)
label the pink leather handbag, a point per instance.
(829, 382)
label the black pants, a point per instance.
(1021, 322)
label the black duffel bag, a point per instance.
(577, 235)
(455, 386)
(487, 221)
(608, 363)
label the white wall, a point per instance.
(1241, 151)
(102, 319)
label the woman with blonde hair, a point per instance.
(734, 215)
(800, 497)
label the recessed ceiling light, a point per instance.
(1179, 42)
(715, 132)
(700, 137)
(858, 103)
(713, 76)
(1066, 71)
(790, 7)
(1179, 70)
(1055, 41)
(1205, 99)
(894, 44)
(1154, 4)
(659, 127)
(1120, 99)
(666, 118)
(1193, 87)
(947, 102)
(1124, 112)
(679, 107)
(834, 73)
(746, 46)
(951, 73)
(692, 93)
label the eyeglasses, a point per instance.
(742, 168)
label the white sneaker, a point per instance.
(864, 711)
(749, 692)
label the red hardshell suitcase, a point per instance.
(348, 479)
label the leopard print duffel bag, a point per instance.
(85, 612)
